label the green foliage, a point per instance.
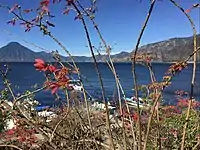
(4, 94)
(174, 127)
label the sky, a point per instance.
(118, 20)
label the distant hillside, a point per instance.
(164, 51)
(15, 52)
(170, 50)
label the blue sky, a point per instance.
(119, 21)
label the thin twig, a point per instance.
(153, 80)
(127, 107)
(193, 73)
(134, 71)
(11, 146)
(59, 122)
(111, 66)
(196, 146)
(99, 143)
(28, 94)
(99, 75)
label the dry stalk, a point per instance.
(111, 66)
(153, 80)
(54, 130)
(134, 70)
(193, 73)
(11, 146)
(127, 107)
(99, 75)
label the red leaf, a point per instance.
(45, 8)
(45, 3)
(52, 68)
(188, 10)
(40, 65)
(54, 90)
(37, 65)
(10, 132)
(28, 10)
(38, 60)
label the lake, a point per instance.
(23, 76)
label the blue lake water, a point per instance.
(23, 76)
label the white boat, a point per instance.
(133, 102)
(101, 106)
(49, 115)
(75, 84)
(43, 112)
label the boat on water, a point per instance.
(75, 85)
(99, 105)
(132, 102)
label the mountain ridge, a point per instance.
(169, 50)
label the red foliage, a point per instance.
(185, 102)
(45, 3)
(20, 134)
(28, 10)
(42, 66)
(45, 9)
(62, 73)
(53, 86)
(135, 116)
(61, 76)
(10, 132)
(176, 68)
(188, 10)
(181, 92)
(193, 6)
(170, 111)
(52, 68)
